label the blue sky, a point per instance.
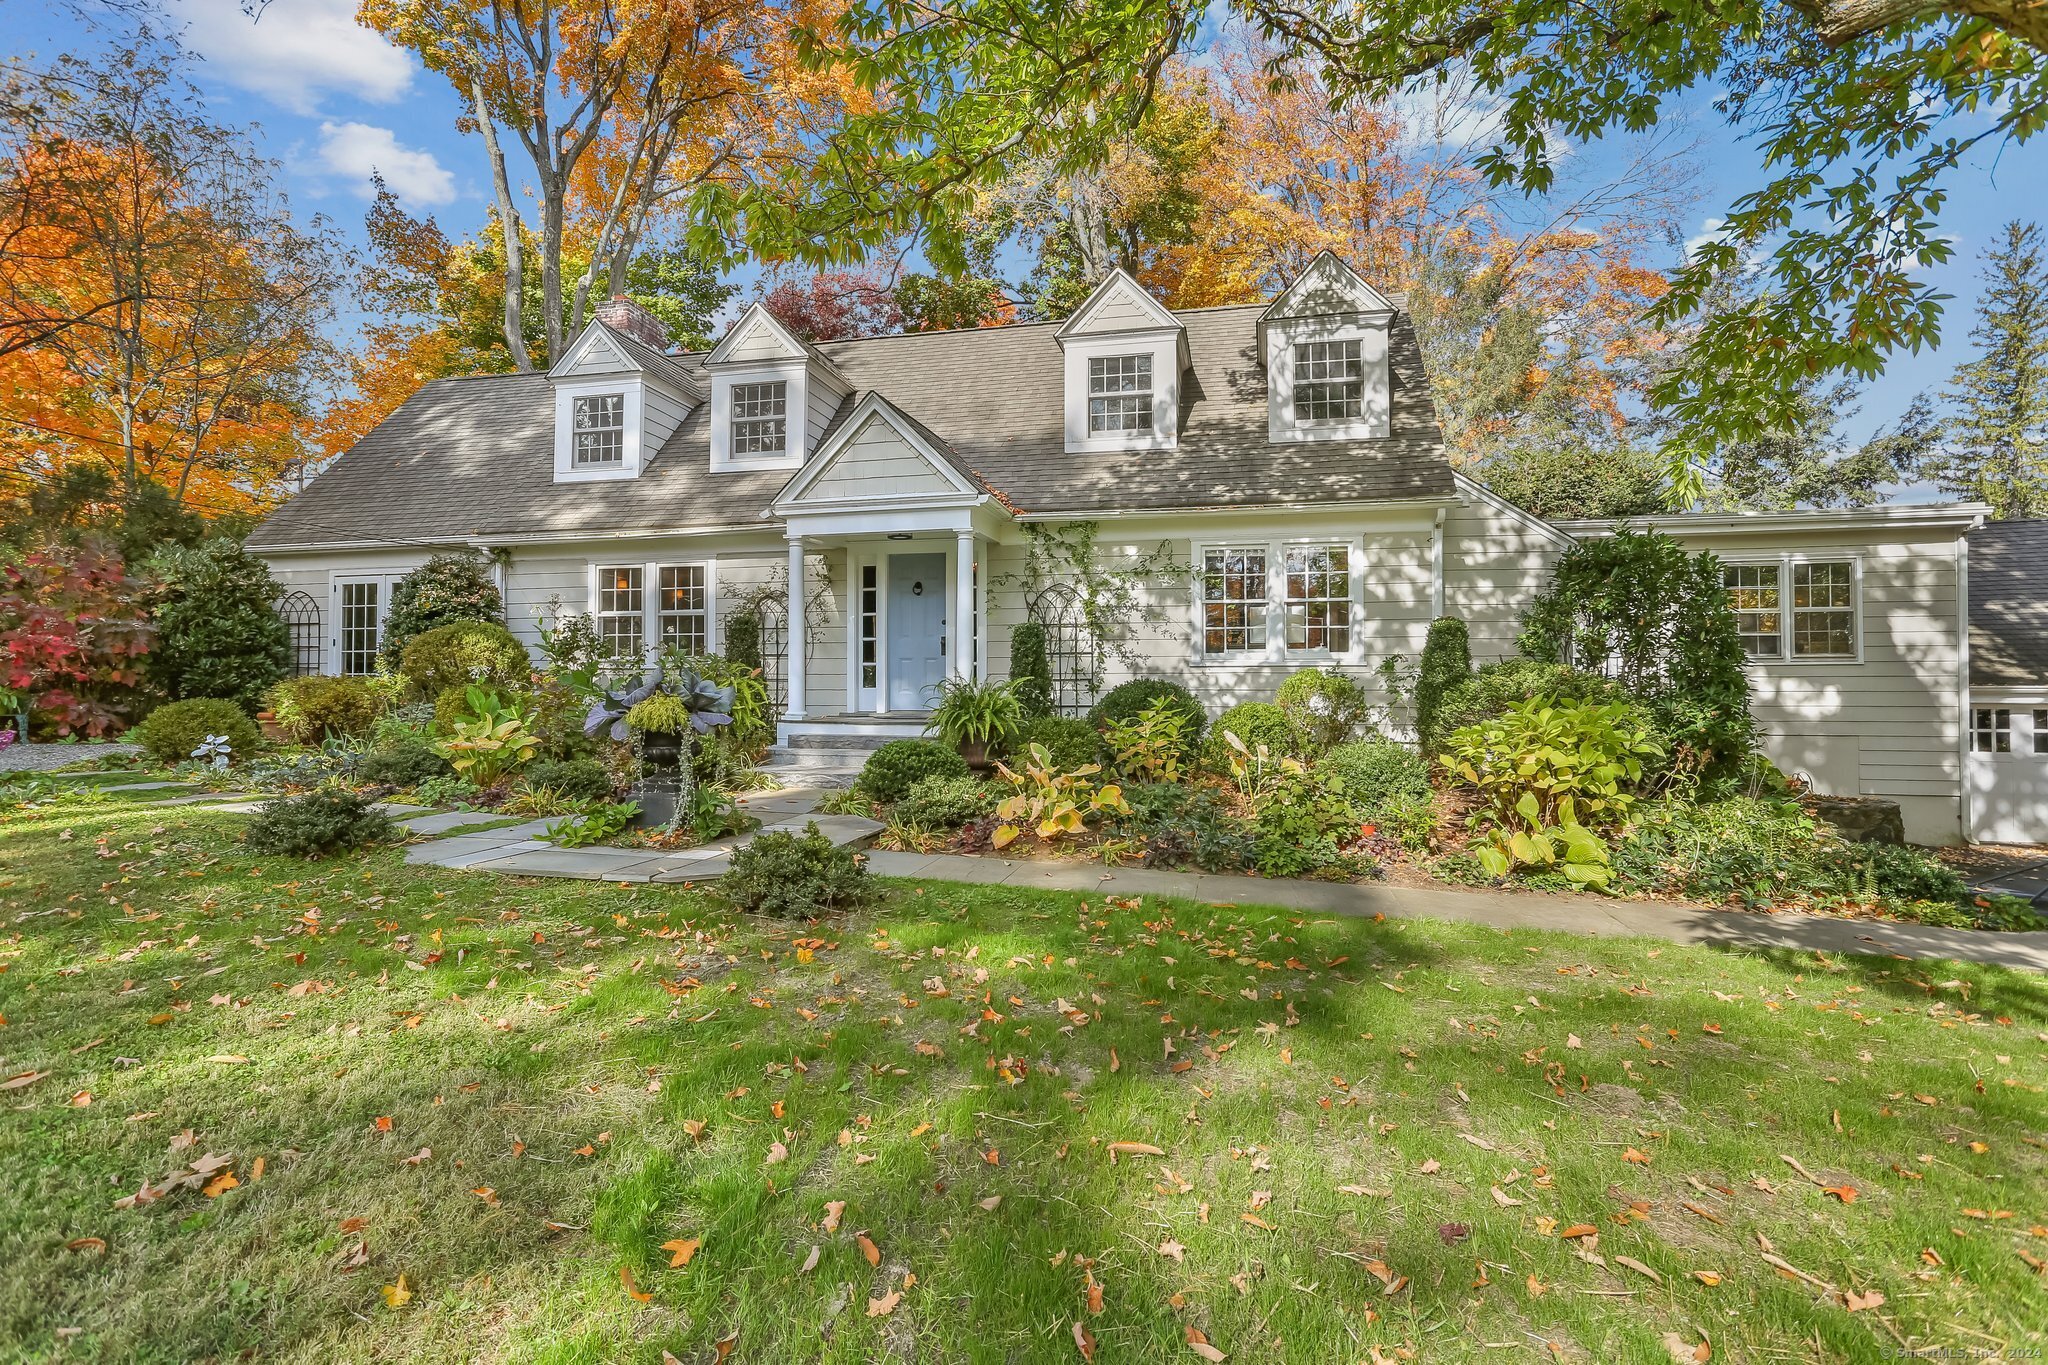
(335, 102)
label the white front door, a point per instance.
(917, 630)
(357, 610)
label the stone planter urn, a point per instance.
(663, 779)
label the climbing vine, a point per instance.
(1113, 596)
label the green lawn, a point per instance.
(505, 1097)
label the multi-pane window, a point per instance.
(870, 623)
(622, 609)
(1119, 394)
(2041, 732)
(362, 625)
(1329, 381)
(681, 607)
(1823, 609)
(1319, 598)
(1234, 600)
(1991, 730)
(760, 418)
(600, 425)
(1817, 622)
(1753, 592)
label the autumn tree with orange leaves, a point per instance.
(187, 353)
(623, 111)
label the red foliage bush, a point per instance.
(73, 633)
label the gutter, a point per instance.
(1965, 515)
(1125, 513)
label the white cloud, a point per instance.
(297, 51)
(1710, 231)
(356, 150)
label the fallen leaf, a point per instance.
(1630, 1154)
(988, 1205)
(22, 1079)
(1633, 1264)
(1579, 1230)
(1133, 1149)
(777, 1153)
(833, 1210)
(1481, 1143)
(1845, 1193)
(87, 1244)
(810, 1262)
(1856, 1303)
(1256, 1221)
(398, 1295)
(1199, 1344)
(1709, 1278)
(1683, 1352)
(1084, 1340)
(1536, 1286)
(1169, 1247)
(633, 1291)
(220, 1185)
(684, 1248)
(1504, 1199)
(869, 1249)
(884, 1306)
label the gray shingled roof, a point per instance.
(2009, 604)
(475, 457)
(659, 364)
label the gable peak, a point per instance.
(1118, 304)
(1327, 285)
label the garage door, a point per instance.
(2009, 774)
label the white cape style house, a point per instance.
(1282, 461)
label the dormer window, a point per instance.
(760, 419)
(1119, 394)
(600, 421)
(1329, 381)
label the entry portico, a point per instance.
(914, 521)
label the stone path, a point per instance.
(521, 849)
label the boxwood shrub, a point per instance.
(309, 710)
(1375, 770)
(945, 802)
(795, 876)
(892, 770)
(462, 653)
(1126, 701)
(316, 823)
(1256, 723)
(1071, 741)
(401, 765)
(176, 728)
(579, 779)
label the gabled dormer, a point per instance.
(772, 396)
(1325, 343)
(1125, 354)
(618, 396)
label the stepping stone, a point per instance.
(470, 850)
(435, 822)
(843, 830)
(399, 808)
(206, 798)
(140, 786)
(586, 864)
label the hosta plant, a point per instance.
(1552, 774)
(492, 744)
(1053, 802)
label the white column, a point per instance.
(794, 618)
(962, 625)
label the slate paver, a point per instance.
(437, 821)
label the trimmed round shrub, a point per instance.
(463, 653)
(579, 779)
(176, 728)
(795, 876)
(1326, 708)
(1376, 770)
(1494, 688)
(743, 639)
(892, 770)
(218, 633)
(1255, 723)
(945, 802)
(316, 823)
(309, 710)
(1071, 741)
(401, 765)
(1126, 701)
(1031, 668)
(453, 586)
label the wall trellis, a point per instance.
(1070, 647)
(301, 616)
(774, 613)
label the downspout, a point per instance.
(1436, 566)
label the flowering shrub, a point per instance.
(73, 638)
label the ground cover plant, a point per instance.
(355, 1110)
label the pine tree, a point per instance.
(1998, 452)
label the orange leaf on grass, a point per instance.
(684, 1248)
(633, 1290)
(869, 1249)
(1084, 1340)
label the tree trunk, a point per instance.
(508, 220)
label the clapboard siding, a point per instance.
(1495, 565)
(877, 462)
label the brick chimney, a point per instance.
(622, 314)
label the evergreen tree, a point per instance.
(1998, 451)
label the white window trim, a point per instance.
(385, 583)
(1375, 361)
(630, 446)
(1164, 348)
(796, 414)
(1275, 606)
(1785, 562)
(650, 596)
